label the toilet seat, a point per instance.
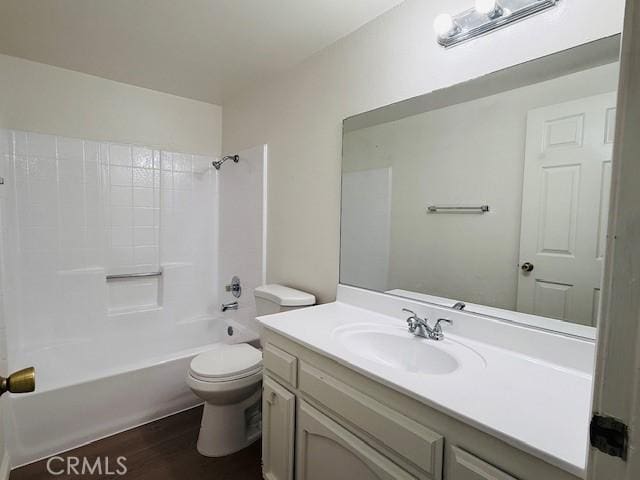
(226, 363)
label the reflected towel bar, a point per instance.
(453, 209)
(134, 275)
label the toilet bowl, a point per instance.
(228, 379)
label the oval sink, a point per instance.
(398, 349)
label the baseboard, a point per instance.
(5, 466)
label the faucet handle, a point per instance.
(411, 321)
(438, 328)
(413, 318)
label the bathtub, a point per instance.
(107, 395)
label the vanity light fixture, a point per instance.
(488, 15)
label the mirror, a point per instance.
(494, 193)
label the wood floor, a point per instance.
(162, 450)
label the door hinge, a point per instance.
(609, 435)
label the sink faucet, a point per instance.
(420, 326)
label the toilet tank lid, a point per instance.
(285, 296)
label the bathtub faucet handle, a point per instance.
(234, 287)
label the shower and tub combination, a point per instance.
(115, 260)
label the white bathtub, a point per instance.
(84, 393)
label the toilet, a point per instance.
(228, 378)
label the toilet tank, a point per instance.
(278, 298)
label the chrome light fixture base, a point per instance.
(471, 23)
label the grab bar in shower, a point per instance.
(457, 209)
(134, 275)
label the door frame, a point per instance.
(617, 376)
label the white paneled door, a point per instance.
(567, 178)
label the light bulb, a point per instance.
(443, 25)
(488, 7)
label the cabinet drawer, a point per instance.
(281, 364)
(468, 467)
(407, 438)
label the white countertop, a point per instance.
(535, 405)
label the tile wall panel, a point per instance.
(73, 211)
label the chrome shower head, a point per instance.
(218, 164)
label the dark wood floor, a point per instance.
(161, 450)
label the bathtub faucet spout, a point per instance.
(230, 306)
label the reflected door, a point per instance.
(567, 179)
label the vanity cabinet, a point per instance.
(349, 426)
(278, 429)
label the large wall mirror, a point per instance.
(493, 193)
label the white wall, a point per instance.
(394, 57)
(466, 154)
(40, 98)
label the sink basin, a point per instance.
(396, 348)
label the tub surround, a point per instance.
(530, 388)
(75, 212)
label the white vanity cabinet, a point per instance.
(348, 426)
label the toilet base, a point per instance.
(226, 429)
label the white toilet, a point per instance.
(229, 377)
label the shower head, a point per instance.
(218, 164)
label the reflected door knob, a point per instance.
(22, 381)
(527, 267)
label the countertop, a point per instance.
(534, 405)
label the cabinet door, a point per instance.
(393, 432)
(325, 450)
(278, 428)
(468, 467)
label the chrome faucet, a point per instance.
(420, 326)
(230, 306)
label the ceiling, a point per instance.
(201, 49)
